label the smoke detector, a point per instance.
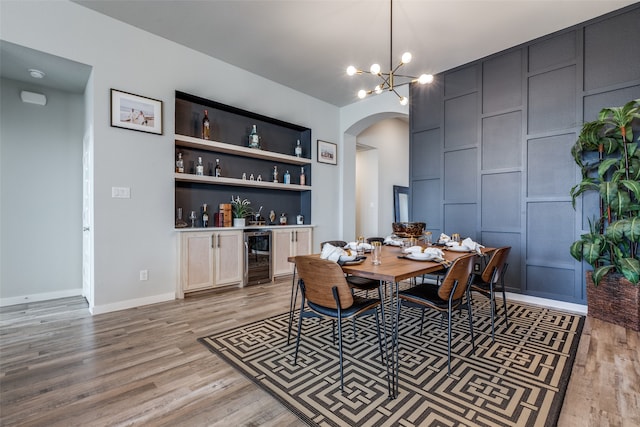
(36, 74)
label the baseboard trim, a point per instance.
(132, 303)
(550, 303)
(44, 296)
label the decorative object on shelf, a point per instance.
(388, 80)
(180, 223)
(180, 164)
(254, 138)
(283, 219)
(327, 152)
(240, 207)
(226, 215)
(257, 218)
(298, 149)
(272, 217)
(239, 222)
(275, 174)
(218, 169)
(300, 220)
(303, 178)
(244, 175)
(206, 128)
(259, 178)
(251, 178)
(287, 177)
(193, 217)
(199, 167)
(136, 112)
(205, 216)
(408, 229)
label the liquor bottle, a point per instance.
(254, 138)
(205, 216)
(275, 174)
(303, 179)
(200, 167)
(218, 170)
(298, 150)
(180, 164)
(287, 178)
(206, 129)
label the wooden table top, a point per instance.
(394, 269)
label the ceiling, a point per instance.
(307, 44)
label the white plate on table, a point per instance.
(420, 257)
(458, 249)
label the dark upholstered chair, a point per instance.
(491, 281)
(337, 243)
(445, 298)
(326, 293)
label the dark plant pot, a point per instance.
(614, 300)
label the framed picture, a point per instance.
(327, 152)
(136, 112)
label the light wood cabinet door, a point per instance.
(196, 261)
(282, 241)
(288, 243)
(229, 257)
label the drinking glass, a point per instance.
(193, 217)
(428, 238)
(376, 253)
(360, 246)
(455, 237)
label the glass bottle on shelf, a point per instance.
(218, 169)
(206, 128)
(180, 223)
(298, 150)
(200, 167)
(275, 174)
(287, 178)
(180, 164)
(205, 216)
(254, 138)
(303, 178)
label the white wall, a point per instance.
(41, 206)
(137, 233)
(390, 140)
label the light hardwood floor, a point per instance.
(61, 366)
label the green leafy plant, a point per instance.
(609, 160)
(240, 208)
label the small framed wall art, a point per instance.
(327, 152)
(136, 112)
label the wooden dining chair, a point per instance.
(445, 298)
(491, 280)
(326, 293)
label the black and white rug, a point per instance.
(518, 380)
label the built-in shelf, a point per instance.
(222, 147)
(212, 180)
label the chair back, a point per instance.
(496, 263)
(459, 272)
(336, 243)
(319, 277)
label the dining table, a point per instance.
(394, 268)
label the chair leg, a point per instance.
(295, 358)
(492, 299)
(504, 306)
(473, 341)
(339, 320)
(449, 342)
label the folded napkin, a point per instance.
(471, 245)
(334, 253)
(444, 238)
(393, 241)
(354, 246)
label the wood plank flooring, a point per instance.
(60, 366)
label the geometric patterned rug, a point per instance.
(518, 380)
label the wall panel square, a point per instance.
(461, 176)
(514, 270)
(461, 81)
(501, 201)
(552, 100)
(426, 201)
(461, 121)
(502, 141)
(425, 154)
(502, 82)
(551, 170)
(550, 232)
(461, 218)
(554, 51)
(426, 106)
(549, 282)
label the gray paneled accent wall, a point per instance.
(490, 146)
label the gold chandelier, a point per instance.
(389, 82)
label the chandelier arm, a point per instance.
(394, 91)
(405, 76)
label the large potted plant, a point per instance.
(609, 159)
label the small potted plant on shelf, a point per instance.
(241, 209)
(609, 159)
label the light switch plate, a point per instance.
(121, 192)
